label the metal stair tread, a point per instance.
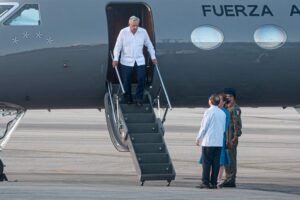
(157, 168)
(141, 133)
(143, 123)
(132, 108)
(155, 164)
(153, 176)
(139, 118)
(149, 154)
(142, 127)
(149, 148)
(146, 138)
(131, 113)
(157, 177)
(154, 158)
(152, 143)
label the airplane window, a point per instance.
(28, 15)
(207, 37)
(270, 37)
(6, 9)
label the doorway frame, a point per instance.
(111, 76)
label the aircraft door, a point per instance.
(117, 18)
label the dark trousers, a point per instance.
(232, 168)
(126, 73)
(210, 165)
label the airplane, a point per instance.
(56, 54)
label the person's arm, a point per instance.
(204, 127)
(117, 49)
(150, 48)
(228, 144)
(237, 124)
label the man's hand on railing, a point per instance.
(154, 61)
(115, 64)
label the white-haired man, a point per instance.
(130, 44)
(211, 134)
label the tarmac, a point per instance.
(67, 154)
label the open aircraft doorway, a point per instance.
(117, 18)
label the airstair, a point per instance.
(139, 130)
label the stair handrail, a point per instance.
(117, 72)
(166, 95)
(111, 102)
(163, 86)
(11, 127)
(116, 112)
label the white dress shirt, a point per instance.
(131, 47)
(212, 127)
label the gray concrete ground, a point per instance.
(67, 154)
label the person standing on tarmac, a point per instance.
(225, 157)
(234, 132)
(211, 138)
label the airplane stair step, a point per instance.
(139, 118)
(146, 138)
(150, 148)
(142, 127)
(157, 168)
(148, 158)
(133, 108)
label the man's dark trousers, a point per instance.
(232, 168)
(126, 72)
(210, 165)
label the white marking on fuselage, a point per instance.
(38, 35)
(49, 40)
(26, 35)
(15, 40)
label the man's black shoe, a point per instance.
(203, 186)
(228, 184)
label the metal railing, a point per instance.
(111, 101)
(117, 115)
(166, 95)
(18, 113)
(158, 96)
(118, 74)
(116, 97)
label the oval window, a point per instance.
(207, 37)
(270, 37)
